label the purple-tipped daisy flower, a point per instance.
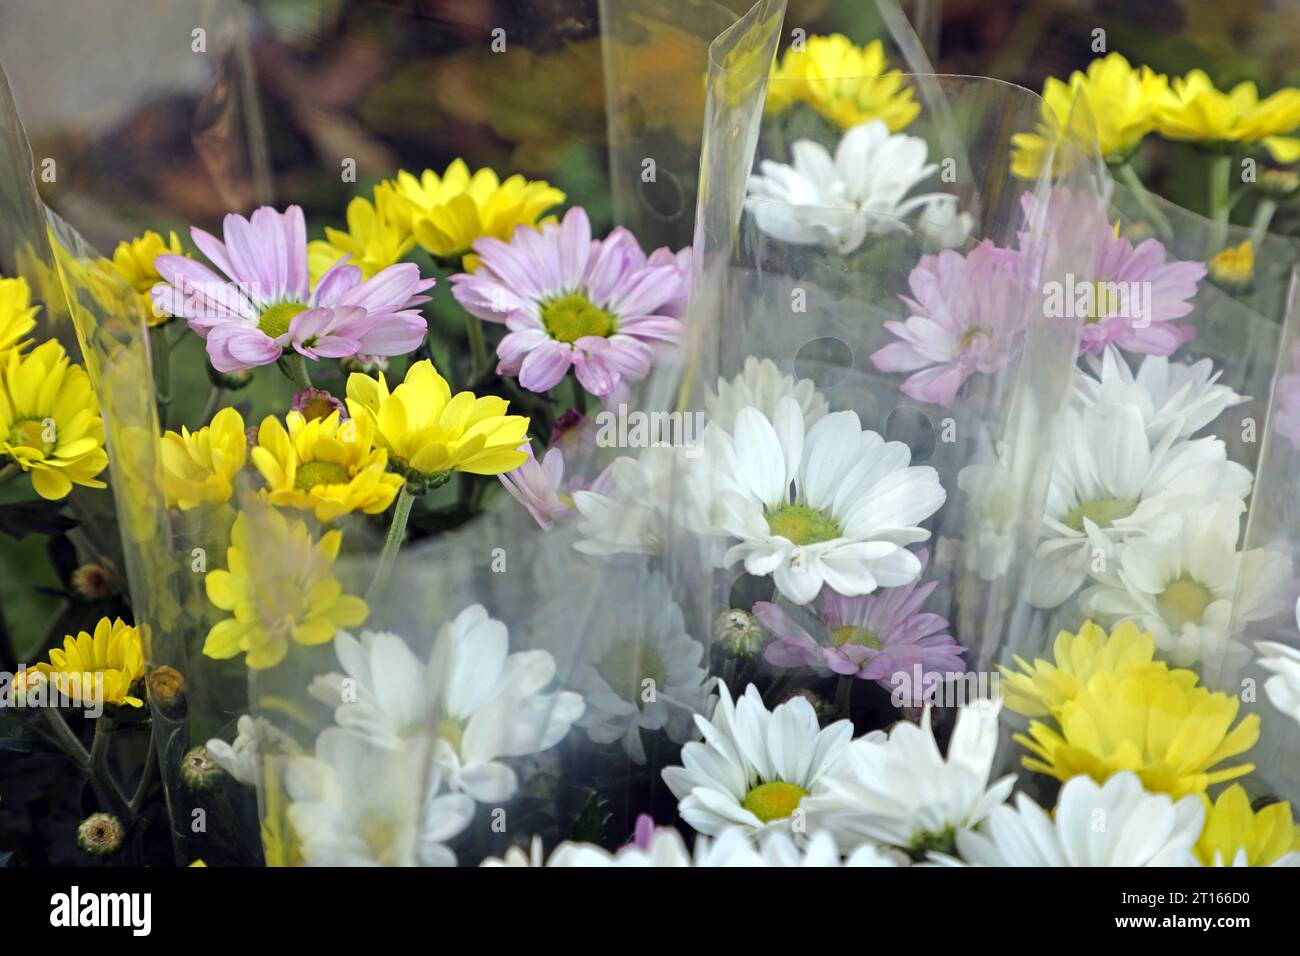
(598, 306)
(261, 304)
(967, 317)
(1129, 296)
(876, 636)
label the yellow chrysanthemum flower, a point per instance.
(280, 586)
(49, 421)
(430, 433)
(133, 261)
(1235, 835)
(113, 657)
(1198, 112)
(1122, 104)
(842, 81)
(17, 314)
(200, 467)
(1147, 720)
(1040, 688)
(329, 467)
(1234, 267)
(447, 213)
(374, 239)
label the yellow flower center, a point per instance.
(1184, 602)
(381, 837)
(1103, 512)
(573, 316)
(774, 801)
(802, 525)
(29, 433)
(626, 667)
(315, 473)
(275, 320)
(848, 634)
(318, 409)
(452, 731)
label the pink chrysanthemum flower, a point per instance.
(1129, 296)
(600, 307)
(967, 318)
(877, 636)
(539, 486)
(262, 304)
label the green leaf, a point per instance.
(34, 517)
(592, 821)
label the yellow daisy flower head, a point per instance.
(279, 585)
(49, 421)
(200, 467)
(447, 213)
(374, 239)
(1122, 105)
(17, 314)
(429, 433)
(1199, 112)
(1236, 835)
(1038, 689)
(133, 261)
(842, 81)
(324, 465)
(1154, 722)
(111, 660)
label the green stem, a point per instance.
(294, 366)
(579, 395)
(392, 543)
(161, 354)
(1145, 200)
(146, 775)
(1263, 218)
(214, 400)
(9, 472)
(477, 348)
(843, 696)
(1220, 198)
(66, 740)
(101, 777)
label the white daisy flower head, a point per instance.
(255, 738)
(1191, 587)
(835, 507)
(355, 804)
(1117, 823)
(1171, 396)
(635, 666)
(755, 767)
(1283, 688)
(899, 790)
(941, 226)
(837, 202)
(762, 384)
(1110, 485)
(478, 702)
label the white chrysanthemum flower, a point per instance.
(733, 847)
(1171, 396)
(1112, 824)
(901, 791)
(481, 702)
(1110, 485)
(837, 507)
(1283, 688)
(1181, 586)
(755, 767)
(940, 226)
(355, 804)
(761, 384)
(838, 202)
(255, 737)
(635, 665)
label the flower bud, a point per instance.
(365, 364)
(100, 834)
(738, 632)
(230, 381)
(92, 582)
(199, 771)
(166, 687)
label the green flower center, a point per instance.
(573, 316)
(29, 433)
(943, 842)
(626, 667)
(275, 320)
(320, 473)
(848, 634)
(1184, 602)
(1103, 512)
(802, 525)
(774, 801)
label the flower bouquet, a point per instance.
(924, 499)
